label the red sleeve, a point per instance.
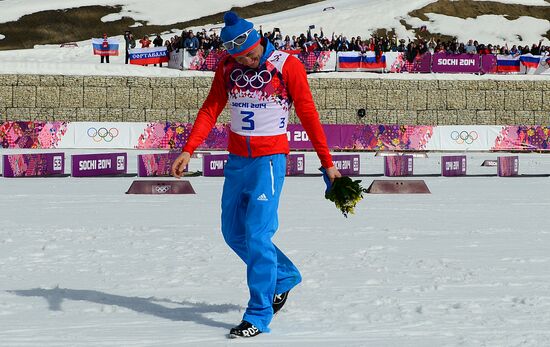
(295, 77)
(209, 112)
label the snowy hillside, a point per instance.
(348, 17)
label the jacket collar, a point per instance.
(268, 50)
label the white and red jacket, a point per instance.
(260, 101)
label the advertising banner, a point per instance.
(101, 164)
(298, 139)
(295, 164)
(33, 165)
(544, 66)
(368, 137)
(463, 138)
(520, 137)
(453, 165)
(347, 164)
(422, 64)
(350, 135)
(176, 59)
(508, 166)
(398, 165)
(381, 137)
(212, 165)
(397, 63)
(203, 60)
(172, 135)
(317, 61)
(456, 63)
(157, 164)
(150, 55)
(394, 62)
(35, 134)
(102, 135)
(488, 64)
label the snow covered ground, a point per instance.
(83, 264)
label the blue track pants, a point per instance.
(250, 201)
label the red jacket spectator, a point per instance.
(145, 42)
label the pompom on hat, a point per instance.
(236, 26)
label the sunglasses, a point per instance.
(237, 41)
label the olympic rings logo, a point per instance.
(464, 137)
(256, 80)
(102, 134)
(162, 189)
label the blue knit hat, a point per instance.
(235, 26)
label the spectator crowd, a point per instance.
(310, 42)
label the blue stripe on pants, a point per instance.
(250, 200)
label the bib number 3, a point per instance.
(248, 122)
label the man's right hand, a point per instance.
(332, 173)
(180, 164)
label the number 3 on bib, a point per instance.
(248, 119)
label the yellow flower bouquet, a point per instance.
(344, 192)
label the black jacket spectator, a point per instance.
(130, 43)
(157, 42)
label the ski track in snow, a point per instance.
(83, 264)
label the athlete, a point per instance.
(261, 84)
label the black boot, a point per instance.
(244, 329)
(279, 301)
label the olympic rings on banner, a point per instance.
(464, 137)
(256, 80)
(102, 134)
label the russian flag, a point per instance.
(152, 55)
(292, 51)
(355, 61)
(508, 63)
(100, 49)
(530, 61)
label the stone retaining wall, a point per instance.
(139, 99)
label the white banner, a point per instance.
(391, 59)
(189, 60)
(464, 137)
(331, 62)
(318, 61)
(101, 134)
(176, 59)
(140, 132)
(544, 66)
